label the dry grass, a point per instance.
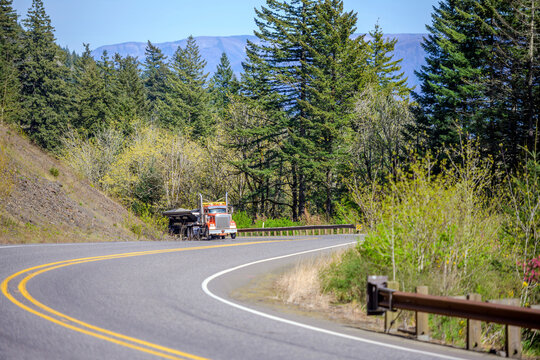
(301, 286)
(6, 174)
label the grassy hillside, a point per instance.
(43, 200)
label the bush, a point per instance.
(427, 229)
(54, 172)
(242, 220)
(271, 223)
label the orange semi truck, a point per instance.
(210, 220)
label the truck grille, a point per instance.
(223, 221)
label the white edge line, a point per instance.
(205, 283)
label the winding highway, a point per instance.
(151, 300)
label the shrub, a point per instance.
(430, 229)
(54, 172)
(242, 220)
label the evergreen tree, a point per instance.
(452, 84)
(9, 42)
(93, 101)
(157, 82)
(42, 74)
(276, 74)
(338, 71)
(386, 71)
(189, 82)
(223, 84)
(513, 76)
(128, 90)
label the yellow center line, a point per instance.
(96, 331)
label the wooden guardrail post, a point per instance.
(390, 316)
(512, 333)
(422, 325)
(474, 327)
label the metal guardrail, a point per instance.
(350, 228)
(381, 299)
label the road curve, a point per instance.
(147, 300)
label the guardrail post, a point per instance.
(474, 327)
(390, 316)
(422, 325)
(513, 333)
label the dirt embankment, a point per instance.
(45, 201)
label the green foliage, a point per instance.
(270, 223)
(128, 90)
(54, 172)
(242, 220)
(190, 95)
(431, 229)
(223, 84)
(42, 75)
(9, 82)
(346, 278)
(479, 55)
(93, 100)
(156, 78)
(522, 225)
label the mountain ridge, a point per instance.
(408, 48)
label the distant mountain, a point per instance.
(407, 48)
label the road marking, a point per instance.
(205, 283)
(88, 329)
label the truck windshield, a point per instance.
(217, 211)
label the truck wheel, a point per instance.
(233, 236)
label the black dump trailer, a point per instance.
(185, 223)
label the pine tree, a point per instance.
(9, 43)
(189, 84)
(223, 84)
(157, 82)
(42, 74)
(93, 101)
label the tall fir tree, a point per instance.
(157, 82)
(128, 90)
(512, 76)
(223, 84)
(386, 71)
(189, 86)
(93, 100)
(9, 52)
(338, 71)
(452, 90)
(42, 74)
(275, 73)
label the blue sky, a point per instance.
(105, 22)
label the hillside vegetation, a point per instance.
(43, 200)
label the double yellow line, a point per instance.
(66, 321)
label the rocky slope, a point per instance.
(46, 201)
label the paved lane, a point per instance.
(147, 300)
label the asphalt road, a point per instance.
(147, 300)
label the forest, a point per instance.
(320, 127)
